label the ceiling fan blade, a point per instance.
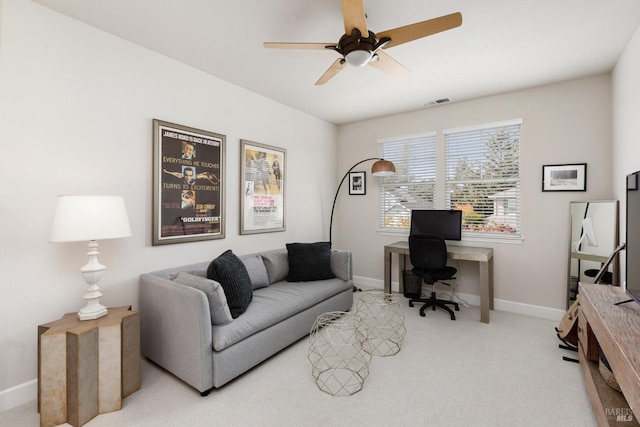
(286, 45)
(354, 16)
(338, 65)
(389, 65)
(421, 29)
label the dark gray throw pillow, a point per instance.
(230, 272)
(309, 261)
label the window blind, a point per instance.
(482, 178)
(413, 185)
(481, 170)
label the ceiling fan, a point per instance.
(359, 46)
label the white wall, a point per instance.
(562, 123)
(76, 106)
(626, 125)
(626, 108)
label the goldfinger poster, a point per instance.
(188, 189)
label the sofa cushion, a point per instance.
(309, 261)
(277, 264)
(231, 273)
(341, 264)
(201, 273)
(220, 314)
(257, 271)
(272, 305)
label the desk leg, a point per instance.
(490, 283)
(402, 265)
(486, 290)
(387, 270)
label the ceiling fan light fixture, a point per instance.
(360, 46)
(358, 58)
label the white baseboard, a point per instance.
(498, 304)
(18, 395)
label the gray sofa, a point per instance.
(176, 319)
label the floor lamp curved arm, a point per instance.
(380, 168)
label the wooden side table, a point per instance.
(86, 367)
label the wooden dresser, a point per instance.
(616, 330)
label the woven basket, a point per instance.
(607, 374)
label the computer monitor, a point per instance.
(632, 253)
(444, 223)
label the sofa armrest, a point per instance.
(341, 264)
(175, 329)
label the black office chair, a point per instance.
(428, 255)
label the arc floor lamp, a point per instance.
(381, 167)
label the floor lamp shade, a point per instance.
(383, 168)
(90, 218)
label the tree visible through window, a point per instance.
(481, 169)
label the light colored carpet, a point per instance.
(509, 372)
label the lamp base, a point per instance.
(92, 272)
(92, 313)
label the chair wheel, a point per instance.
(453, 317)
(410, 304)
(422, 314)
(457, 308)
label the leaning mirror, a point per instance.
(594, 236)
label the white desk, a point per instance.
(484, 257)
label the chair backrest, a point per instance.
(427, 251)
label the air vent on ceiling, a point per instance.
(436, 102)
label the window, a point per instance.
(414, 184)
(482, 178)
(478, 172)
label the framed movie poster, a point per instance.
(263, 176)
(188, 192)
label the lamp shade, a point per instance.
(383, 168)
(83, 218)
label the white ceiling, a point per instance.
(502, 45)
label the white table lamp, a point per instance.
(92, 218)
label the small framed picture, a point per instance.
(357, 183)
(569, 177)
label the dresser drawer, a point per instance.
(587, 340)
